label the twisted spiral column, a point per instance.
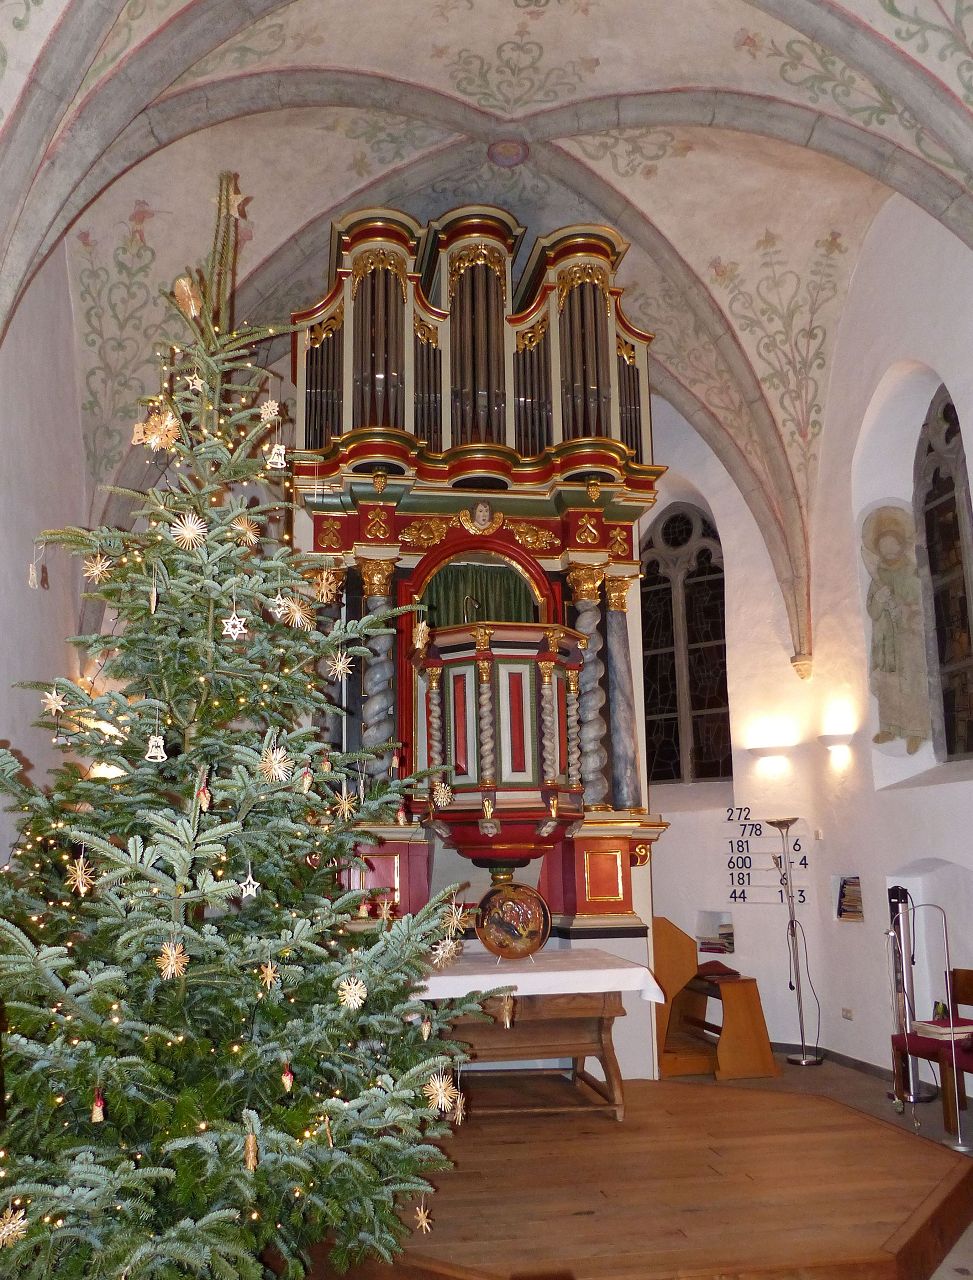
(378, 704)
(549, 734)
(585, 581)
(626, 779)
(486, 728)
(573, 728)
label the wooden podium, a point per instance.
(690, 1045)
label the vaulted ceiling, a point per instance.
(742, 146)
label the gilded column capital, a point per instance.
(547, 672)
(584, 581)
(481, 638)
(434, 675)
(485, 669)
(376, 575)
(616, 590)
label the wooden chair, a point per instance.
(940, 1052)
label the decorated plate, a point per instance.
(513, 921)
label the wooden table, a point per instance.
(564, 1005)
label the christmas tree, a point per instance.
(212, 1060)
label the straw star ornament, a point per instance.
(340, 665)
(189, 531)
(80, 877)
(441, 1092)
(276, 765)
(245, 530)
(352, 993)
(54, 703)
(13, 1227)
(173, 960)
(97, 567)
(298, 613)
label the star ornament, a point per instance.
(13, 1227)
(189, 531)
(423, 1220)
(445, 951)
(54, 702)
(441, 1092)
(269, 976)
(249, 888)
(340, 665)
(276, 765)
(161, 430)
(81, 878)
(234, 626)
(298, 613)
(245, 530)
(269, 410)
(278, 606)
(442, 795)
(173, 960)
(352, 993)
(459, 1109)
(345, 805)
(456, 920)
(97, 567)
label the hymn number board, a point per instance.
(749, 848)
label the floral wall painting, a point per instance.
(897, 655)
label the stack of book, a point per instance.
(850, 899)
(719, 944)
(942, 1029)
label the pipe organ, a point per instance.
(477, 441)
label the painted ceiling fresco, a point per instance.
(742, 146)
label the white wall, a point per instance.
(41, 487)
(907, 326)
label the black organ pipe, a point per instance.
(630, 406)
(476, 363)
(379, 351)
(323, 385)
(429, 401)
(585, 368)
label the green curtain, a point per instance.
(503, 594)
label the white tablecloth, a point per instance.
(549, 972)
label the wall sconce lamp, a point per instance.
(835, 740)
(767, 753)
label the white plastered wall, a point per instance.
(876, 813)
(41, 487)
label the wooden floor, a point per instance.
(700, 1182)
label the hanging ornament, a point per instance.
(157, 749)
(161, 430)
(352, 993)
(54, 702)
(277, 458)
(313, 860)
(13, 1227)
(34, 574)
(251, 1152)
(287, 1078)
(363, 909)
(386, 910)
(441, 1092)
(328, 586)
(98, 1108)
(455, 919)
(138, 433)
(249, 888)
(195, 383)
(275, 765)
(401, 817)
(189, 531)
(154, 589)
(269, 410)
(80, 877)
(327, 1131)
(173, 960)
(307, 779)
(278, 606)
(325, 763)
(442, 795)
(203, 794)
(420, 636)
(245, 530)
(188, 298)
(507, 1011)
(459, 1109)
(298, 613)
(445, 952)
(269, 975)
(426, 1029)
(340, 664)
(361, 781)
(345, 804)
(234, 626)
(97, 567)
(423, 1219)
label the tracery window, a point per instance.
(944, 525)
(687, 718)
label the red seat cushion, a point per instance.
(935, 1050)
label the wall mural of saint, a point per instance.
(897, 657)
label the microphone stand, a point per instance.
(785, 867)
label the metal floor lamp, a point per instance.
(784, 865)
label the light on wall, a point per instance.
(835, 741)
(771, 762)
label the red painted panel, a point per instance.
(515, 692)
(460, 756)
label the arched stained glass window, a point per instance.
(944, 525)
(687, 714)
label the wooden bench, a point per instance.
(689, 1044)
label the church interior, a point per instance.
(629, 339)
